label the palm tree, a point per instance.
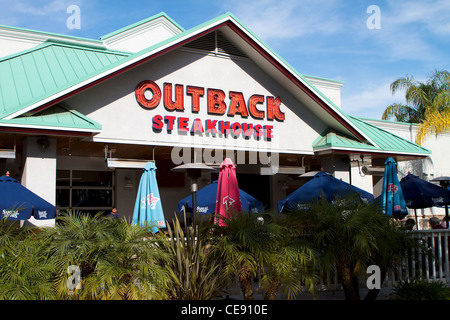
(26, 273)
(436, 122)
(244, 244)
(345, 233)
(118, 260)
(291, 265)
(421, 98)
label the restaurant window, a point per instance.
(82, 190)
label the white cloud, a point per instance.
(371, 101)
(432, 15)
(286, 19)
(27, 7)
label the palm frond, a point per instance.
(435, 122)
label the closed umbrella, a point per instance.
(148, 210)
(392, 197)
(19, 203)
(322, 184)
(206, 201)
(227, 199)
(421, 194)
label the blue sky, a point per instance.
(324, 38)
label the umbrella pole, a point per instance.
(446, 216)
(194, 199)
(417, 221)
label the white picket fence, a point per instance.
(434, 267)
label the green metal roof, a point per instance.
(48, 69)
(385, 141)
(36, 74)
(56, 117)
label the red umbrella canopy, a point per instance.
(228, 200)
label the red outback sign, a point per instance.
(217, 106)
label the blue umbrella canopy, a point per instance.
(322, 184)
(19, 203)
(392, 197)
(148, 210)
(206, 201)
(419, 193)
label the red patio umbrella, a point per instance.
(228, 200)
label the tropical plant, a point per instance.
(420, 289)
(436, 122)
(117, 260)
(291, 265)
(244, 245)
(394, 244)
(345, 233)
(193, 272)
(25, 272)
(421, 98)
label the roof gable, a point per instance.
(48, 69)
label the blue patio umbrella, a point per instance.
(19, 203)
(322, 184)
(392, 198)
(206, 201)
(148, 210)
(420, 194)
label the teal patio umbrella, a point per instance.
(148, 210)
(392, 198)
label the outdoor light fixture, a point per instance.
(374, 171)
(43, 142)
(194, 171)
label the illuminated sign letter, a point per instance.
(252, 102)
(211, 126)
(196, 93)
(216, 105)
(237, 104)
(197, 126)
(144, 101)
(273, 109)
(158, 122)
(178, 104)
(183, 124)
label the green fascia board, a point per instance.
(35, 74)
(134, 25)
(59, 116)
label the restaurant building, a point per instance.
(79, 118)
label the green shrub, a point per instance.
(420, 289)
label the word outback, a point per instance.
(259, 107)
